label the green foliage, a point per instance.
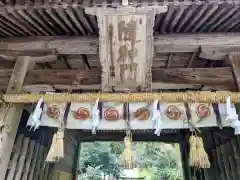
(163, 159)
(100, 155)
(158, 161)
(91, 174)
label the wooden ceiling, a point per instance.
(39, 29)
(72, 62)
(57, 20)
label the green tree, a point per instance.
(99, 155)
(91, 174)
(163, 159)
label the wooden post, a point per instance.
(13, 115)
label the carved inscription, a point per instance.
(132, 74)
(127, 52)
(125, 48)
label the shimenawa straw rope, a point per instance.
(191, 96)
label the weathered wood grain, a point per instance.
(218, 42)
(28, 160)
(43, 164)
(22, 158)
(14, 161)
(234, 59)
(62, 45)
(206, 76)
(13, 115)
(34, 161)
(38, 163)
(126, 47)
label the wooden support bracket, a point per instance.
(234, 59)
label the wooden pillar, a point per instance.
(13, 115)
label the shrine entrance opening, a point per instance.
(101, 160)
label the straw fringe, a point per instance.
(191, 96)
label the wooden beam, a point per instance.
(38, 59)
(13, 115)
(155, 86)
(62, 45)
(218, 42)
(188, 76)
(234, 59)
(205, 76)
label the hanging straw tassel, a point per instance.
(56, 151)
(127, 156)
(197, 155)
(193, 150)
(203, 156)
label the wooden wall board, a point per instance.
(15, 157)
(34, 162)
(38, 163)
(22, 158)
(29, 158)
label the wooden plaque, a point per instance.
(125, 47)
